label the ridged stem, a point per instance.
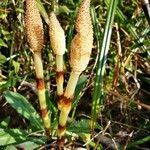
(70, 89)
(66, 102)
(59, 74)
(41, 91)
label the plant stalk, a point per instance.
(41, 91)
(58, 44)
(66, 102)
(59, 74)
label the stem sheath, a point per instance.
(65, 103)
(60, 75)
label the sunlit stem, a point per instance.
(41, 91)
(70, 89)
(66, 102)
(60, 77)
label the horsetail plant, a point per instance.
(57, 39)
(35, 36)
(81, 48)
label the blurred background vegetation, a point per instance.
(122, 108)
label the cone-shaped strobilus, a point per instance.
(58, 44)
(35, 36)
(81, 48)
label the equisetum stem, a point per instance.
(59, 74)
(38, 64)
(70, 89)
(65, 103)
(41, 91)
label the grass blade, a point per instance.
(128, 26)
(98, 87)
(141, 141)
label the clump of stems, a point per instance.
(35, 36)
(58, 43)
(81, 47)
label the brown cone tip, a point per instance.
(83, 22)
(82, 43)
(34, 26)
(57, 35)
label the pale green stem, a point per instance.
(69, 93)
(59, 68)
